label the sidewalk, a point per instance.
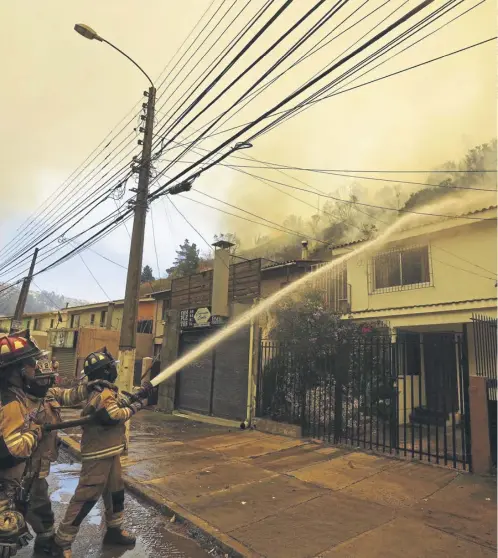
(265, 495)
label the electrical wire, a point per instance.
(154, 241)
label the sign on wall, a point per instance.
(196, 318)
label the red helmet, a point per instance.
(18, 347)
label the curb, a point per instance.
(196, 525)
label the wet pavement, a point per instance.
(156, 535)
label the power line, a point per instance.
(300, 90)
(94, 278)
(464, 260)
(154, 240)
(190, 224)
(323, 195)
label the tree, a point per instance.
(322, 362)
(147, 275)
(186, 261)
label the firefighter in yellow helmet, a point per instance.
(45, 401)
(19, 435)
(102, 443)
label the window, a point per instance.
(51, 323)
(92, 319)
(144, 326)
(103, 318)
(75, 321)
(36, 325)
(401, 268)
(28, 324)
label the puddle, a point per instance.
(156, 536)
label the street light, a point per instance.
(87, 32)
(127, 340)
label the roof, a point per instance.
(397, 308)
(289, 263)
(158, 294)
(359, 241)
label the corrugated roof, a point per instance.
(289, 263)
(353, 242)
(392, 308)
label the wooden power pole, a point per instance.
(16, 324)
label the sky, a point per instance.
(63, 95)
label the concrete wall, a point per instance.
(475, 242)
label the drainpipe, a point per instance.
(110, 312)
(250, 376)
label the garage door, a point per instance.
(67, 365)
(215, 383)
(194, 381)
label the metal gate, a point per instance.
(485, 348)
(408, 398)
(215, 383)
(67, 365)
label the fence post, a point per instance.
(169, 353)
(479, 425)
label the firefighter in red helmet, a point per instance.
(45, 400)
(19, 435)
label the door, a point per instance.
(440, 371)
(67, 365)
(194, 381)
(215, 383)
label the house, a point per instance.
(433, 287)
(72, 333)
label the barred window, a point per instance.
(401, 268)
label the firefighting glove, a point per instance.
(14, 533)
(37, 430)
(138, 405)
(145, 390)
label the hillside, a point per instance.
(38, 301)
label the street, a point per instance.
(153, 530)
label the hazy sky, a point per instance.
(62, 95)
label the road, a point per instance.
(156, 536)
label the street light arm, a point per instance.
(130, 59)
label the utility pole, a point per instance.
(127, 341)
(128, 338)
(16, 324)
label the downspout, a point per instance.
(247, 422)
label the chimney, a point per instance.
(221, 271)
(304, 250)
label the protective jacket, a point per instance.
(18, 434)
(106, 436)
(48, 411)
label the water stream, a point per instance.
(456, 203)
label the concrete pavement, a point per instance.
(260, 494)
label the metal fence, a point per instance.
(370, 393)
(485, 349)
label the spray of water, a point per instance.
(459, 204)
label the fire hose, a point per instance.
(133, 398)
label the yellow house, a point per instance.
(428, 286)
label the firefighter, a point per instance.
(45, 402)
(102, 443)
(19, 435)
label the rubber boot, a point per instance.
(58, 551)
(43, 543)
(116, 535)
